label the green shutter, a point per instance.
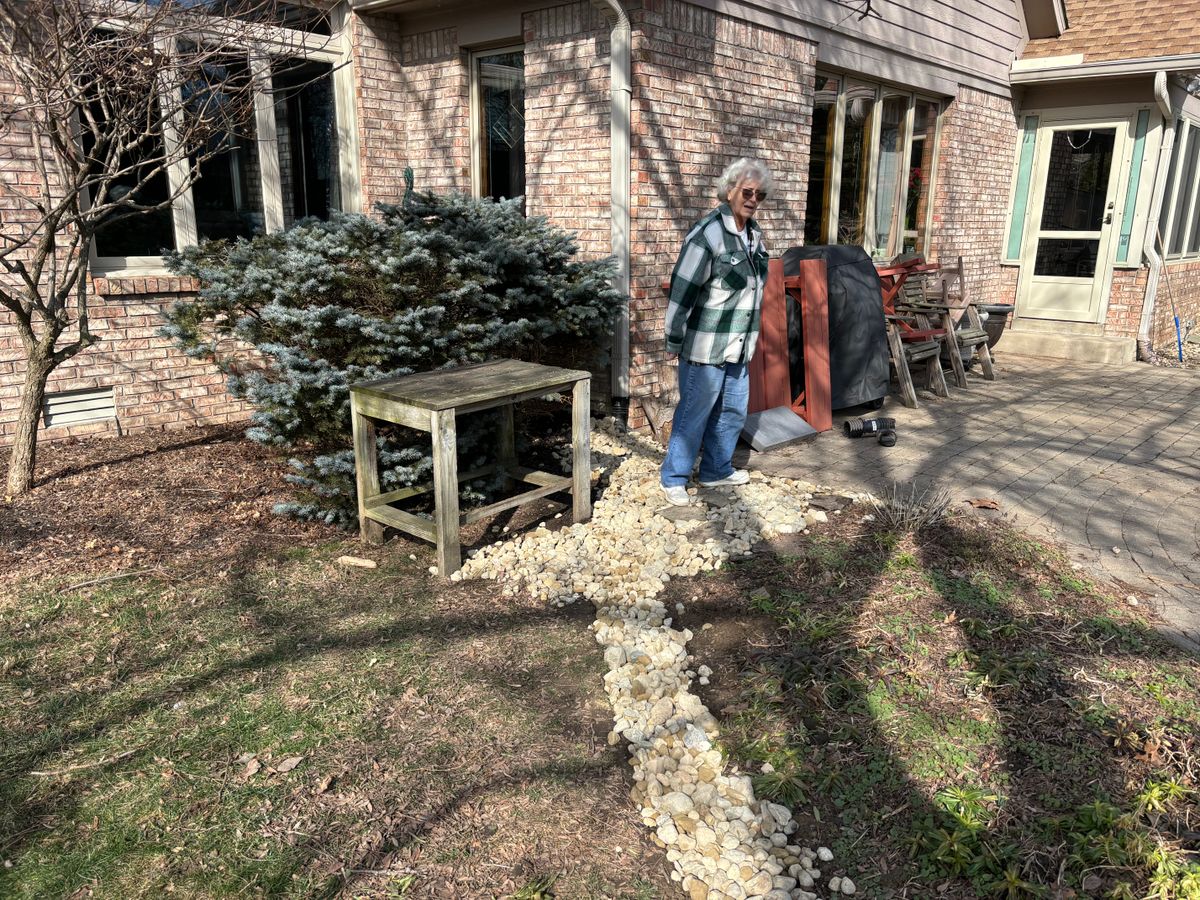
(1016, 227)
(1131, 192)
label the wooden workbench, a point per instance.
(432, 401)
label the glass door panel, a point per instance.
(1077, 186)
(856, 136)
(820, 160)
(893, 112)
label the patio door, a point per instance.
(1067, 258)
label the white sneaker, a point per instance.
(677, 495)
(737, 476)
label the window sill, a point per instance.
(126, 282)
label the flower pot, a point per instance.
(995, 317)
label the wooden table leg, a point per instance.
(445, 490)
(366, 469)
(508, 443)
(581, 450)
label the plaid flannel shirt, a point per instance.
(715, 294)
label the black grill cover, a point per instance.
(858, 352)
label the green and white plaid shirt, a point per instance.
(716, 291)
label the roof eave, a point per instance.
(1106, 69)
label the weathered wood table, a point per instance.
(431, 401)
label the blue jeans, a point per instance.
(711, 413)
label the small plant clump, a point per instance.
(296, 318)
(914, 512)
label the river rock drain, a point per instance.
(722, 841)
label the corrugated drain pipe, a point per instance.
(1150, 243)
(621, 96)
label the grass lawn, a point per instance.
(243, 716)
(197, 699)
(958, 714)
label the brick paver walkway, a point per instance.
(1098, 457)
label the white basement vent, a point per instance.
(78, 407)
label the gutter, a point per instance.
(620, 79)
(1030, 73)
(1154, 259)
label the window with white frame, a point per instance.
(285, 162)
(498, 122)
(1179, 222)
(871, 166)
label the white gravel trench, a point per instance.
(721, 840)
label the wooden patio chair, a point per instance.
(912, 338)
(947, 305)
(911, 342)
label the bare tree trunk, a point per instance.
(24, 447)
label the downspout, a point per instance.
(1150, 243)
(620, 54)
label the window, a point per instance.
(306, 125)
(277, 159)
(498, 122)
(871, 166)
(1179, 223)
(227, 197)
(121, 134)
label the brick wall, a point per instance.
(978, 143)
(154, 385)
(567, 114)
(1179, 282)
(707, 89)
(1125, 302)
(413, 108)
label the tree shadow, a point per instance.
(833, 678)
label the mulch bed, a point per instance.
(195, 499)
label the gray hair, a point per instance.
(738, 171)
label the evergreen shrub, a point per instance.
(442, 280)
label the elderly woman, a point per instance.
(712, 324)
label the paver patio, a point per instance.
(1096, 456)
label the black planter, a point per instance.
(997, 318)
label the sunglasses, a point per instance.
(747, 193)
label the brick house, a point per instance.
(967, 128)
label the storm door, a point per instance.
(1069, 243)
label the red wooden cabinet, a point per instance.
(770, 369)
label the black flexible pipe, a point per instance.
(857, 428)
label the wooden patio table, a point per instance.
(432, 401)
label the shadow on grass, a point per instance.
(997, 769)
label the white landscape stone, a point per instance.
(721, 840)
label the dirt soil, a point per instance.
(193, 499)
(1168, 356)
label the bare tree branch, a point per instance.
(111, 110)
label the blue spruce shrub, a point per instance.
(441, 281)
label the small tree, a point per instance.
(109, 111)
(438, 281)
